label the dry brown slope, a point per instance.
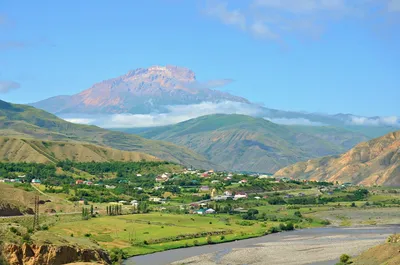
(385, 254)
(29, 150)
(369, 163)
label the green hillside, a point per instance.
(39, 151)
(244, 143)
(22, 121)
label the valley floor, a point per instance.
(319, 246)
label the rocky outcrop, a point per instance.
(52, 255)
(7, 209)
(376, 162)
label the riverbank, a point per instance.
(321, 246)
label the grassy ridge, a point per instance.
(21, 121)
(28, 150)
(244, 143)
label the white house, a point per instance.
(228, 193)
(240, 195)
(155, 199)
(111, 187)
(210, 211)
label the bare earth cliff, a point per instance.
(376, 162)
(51, 255)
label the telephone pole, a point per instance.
(36, 216)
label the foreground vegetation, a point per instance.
(129, 209)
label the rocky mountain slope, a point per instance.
(143, 90)
(21, 121)
(369, 163)
(162, 89)
(244, 143)
(29, 150)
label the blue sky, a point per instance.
(336, 56)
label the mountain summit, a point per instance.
(143, 90)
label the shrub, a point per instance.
(344, 258)
(26, 238)
(72, 235)
(222, 237)
(44, 227)
(196, 242)
(88, 235)
(273, 229)
(209, 240)
(117, 255)
(298, 214)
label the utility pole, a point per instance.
(36, 216)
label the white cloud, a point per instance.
(296, 121)
(80, 120)
(376, 121)
(175, 114)
(261, 30)
(7, 86)
(394, 6)
(278, 19)
(221, 11)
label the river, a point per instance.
(316, 246)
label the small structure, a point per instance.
(201, 211)
(228, 193)
(79, 182)
(243, 181)
(204, 188)
(111, 187)
(257, 198)
(240, 195)
(155, 199)
(209, 211)
(134, 203)
(36, 181)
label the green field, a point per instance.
(140, 233)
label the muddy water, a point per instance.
(317, 246)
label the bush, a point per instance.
(117, 255)
(26, 238)
(298, 214)
(325, 222)
(344, 258)
(209, 240)
(222, 237)
(88, 235)
(44, 227)
(273, 230)
(196, 242)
